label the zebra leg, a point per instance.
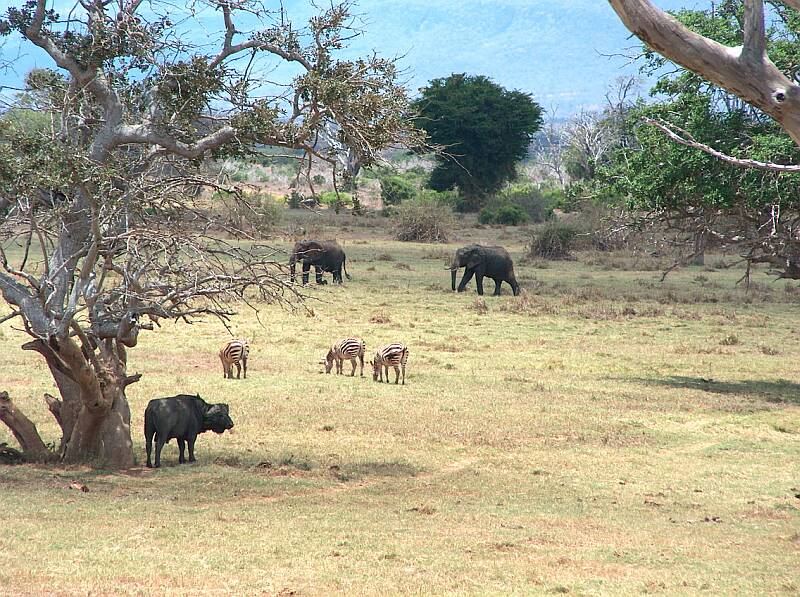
(361, 359)
(397, 375)
(238, 370)
(403, 368)
(244, 367)
(387, 373)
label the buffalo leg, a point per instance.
(191, 441)
(181, 451)
(149, 448)
(159, 446)
(468, 273)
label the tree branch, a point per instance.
(745, 72)
(684, 138)
(24, 431)
(755, 38)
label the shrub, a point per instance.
(267, 212)
(553, 241)
(396, 189)
(318, 179)
(537, 205)
(336, 201)
(449, 199)
(423, 221)
(239, 176)
(294, 199)
(508, 215)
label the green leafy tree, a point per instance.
(396, 189)
(695, 191)
(484, 130)
(133, 108)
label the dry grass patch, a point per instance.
(574, 439)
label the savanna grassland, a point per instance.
(603, 433)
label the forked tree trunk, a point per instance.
(93, 413)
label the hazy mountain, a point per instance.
(564, 52)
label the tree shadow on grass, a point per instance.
(779, 391)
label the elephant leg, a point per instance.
(318, 274)
(479, 282)
(497, 284)
(306, 268)
(468, 273)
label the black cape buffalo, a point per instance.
(182, 417)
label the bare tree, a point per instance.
(102, 231)
(548, 148)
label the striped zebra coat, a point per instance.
(235, 352)
(348, 349)
(392, 355)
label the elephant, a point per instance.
(324, 255)
(480, 261)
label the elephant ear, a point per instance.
(474, 258)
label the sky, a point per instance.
(566, 53)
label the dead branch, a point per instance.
(24, 431)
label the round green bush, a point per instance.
(396, 189)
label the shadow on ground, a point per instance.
(779, 391)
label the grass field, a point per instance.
(603, 433)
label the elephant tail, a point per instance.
(344, 266)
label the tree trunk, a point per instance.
(94, 414)
(699, 255)
(101, 434)
(23, 429)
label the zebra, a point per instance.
(395, 355)
(235, 352)
(350, 349)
